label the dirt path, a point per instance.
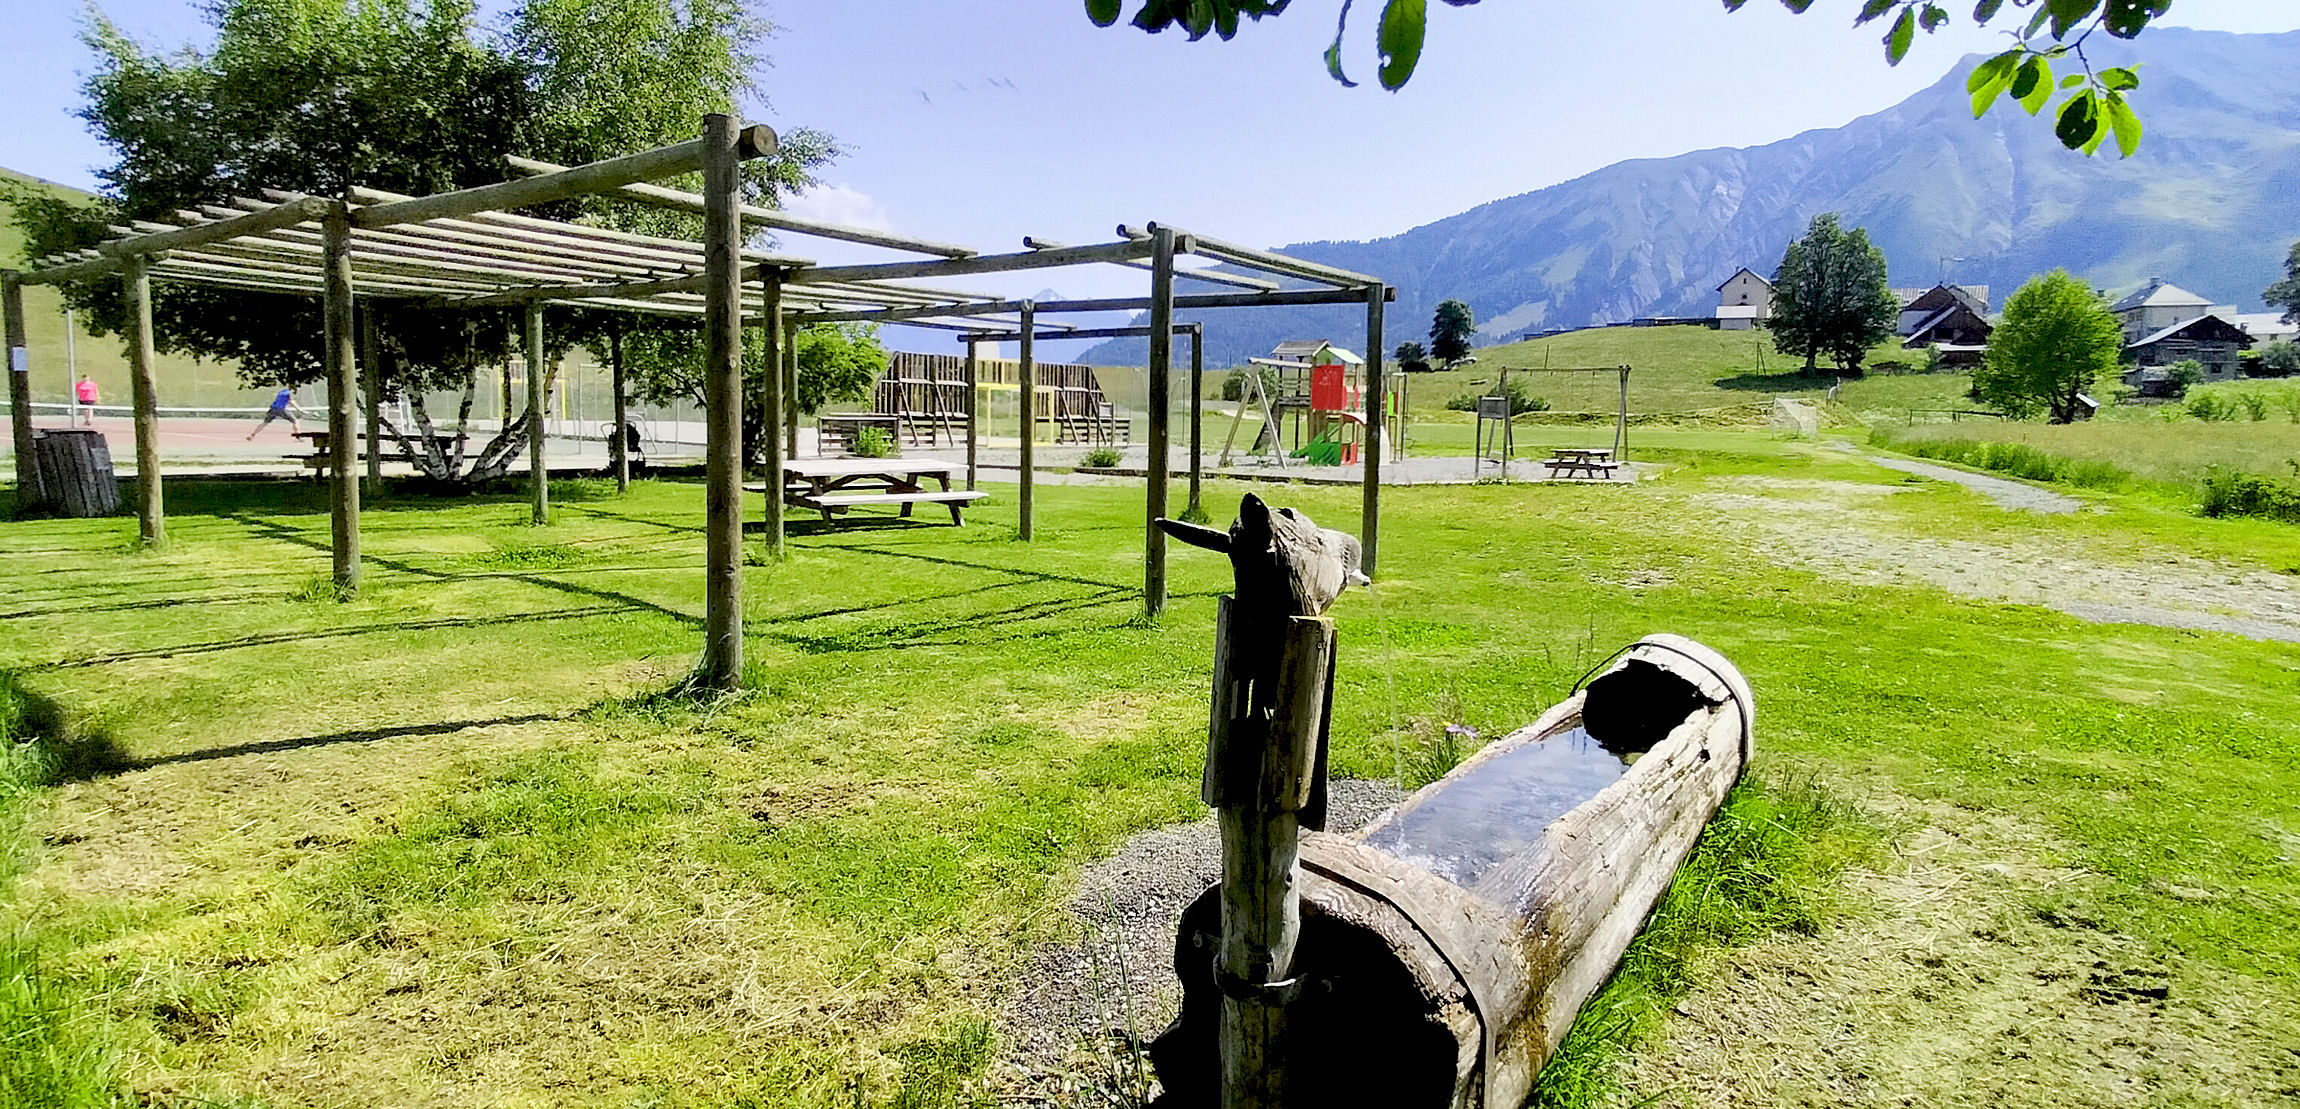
(2014, 495)
(1840, 529)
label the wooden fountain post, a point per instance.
(1266, 771)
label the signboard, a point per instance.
(1493, 408)
(1327, 392)
(19, 360)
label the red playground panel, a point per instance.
(1327, 391)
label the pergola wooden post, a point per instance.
(1197, 417)
(28, 487)
(539, 468)
(1029, 381)
(371, 383)
(622, 439)
(1161, 390)
(973, 409)
(341, 357)
(151, 515)
(721, 667)
(790, 371)
(771, 405)
(1369, 530)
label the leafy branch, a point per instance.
(2096, 109)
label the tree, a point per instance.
(1450, 330)
(2045, 31)
(2279, 358)
(837, 363)
(1830, 296)
(2285, 294)
(1411, 358)
(2057, 338)
(407, 96)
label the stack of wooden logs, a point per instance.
(75, 473)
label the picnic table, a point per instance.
(834, 485)
(1595, 463)
(319, 459)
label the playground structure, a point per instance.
(466, 250)
(1315, 393)
(927, 396)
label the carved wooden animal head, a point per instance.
(1282, 561)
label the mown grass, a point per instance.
(456, 834)
(1769, 862)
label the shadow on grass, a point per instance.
(357, 735)
(268, 639)
(40, 745)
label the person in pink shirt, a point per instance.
(85, 390)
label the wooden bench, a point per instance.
(834, 485)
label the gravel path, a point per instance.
(1834, 529)
(1076, 1004)
(2009, 494)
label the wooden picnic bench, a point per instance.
(1595, 463)
(833, 485)
(319, 459)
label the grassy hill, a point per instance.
(182, 381)
(1677, 370)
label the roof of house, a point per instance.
(1303, 349)
(2158, 293)
(2215, 330)
(1947, 314)
(1744, 270)
(2265, 325)
(1975, 296)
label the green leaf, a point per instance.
(2072, 80)
(2126, 18)
(1734, 5)
(1404, 23)
(2068, 13)
(1931, 17)
(1334, 52)
(2125, 123)
(2032, 86)
(1102, 12)
(2119, 79)
(1989, 79)
(2078, 122)
(1872, 9)
(1897, 40)
(1986, 10)
(2036, 22)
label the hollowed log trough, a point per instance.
(1446, 948)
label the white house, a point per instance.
(2265, 327)
(1744, 300)
(2160, 304)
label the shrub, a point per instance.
(2186, 372)
(2291, 402)
(873, 442)
(2234, 493)
(1102, 458)
(2253, 405)
(2211, 407)
(1520, 402)
(2020, 460)
(2280, 358)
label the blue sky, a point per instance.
(982, 121)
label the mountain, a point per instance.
(2211, 201)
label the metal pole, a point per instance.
(1161, 389)
(28, 487)
(1371, 527)
(1029, 379)
(771, 405)
(722, 662)
(1621, 433)
(342, 356)
(1197, 416)
(539, 471)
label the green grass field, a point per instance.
(449, 844)
(2164, 443)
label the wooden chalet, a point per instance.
(2208, 339)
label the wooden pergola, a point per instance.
(464, 249)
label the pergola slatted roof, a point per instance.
(466, 249)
